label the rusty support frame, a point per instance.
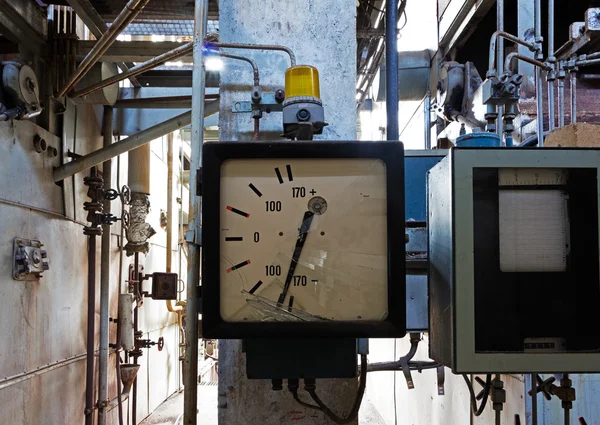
(128, 14)
(136, 70)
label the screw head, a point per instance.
(303, 115)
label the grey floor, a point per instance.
(169, 413)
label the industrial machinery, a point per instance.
(514, 260)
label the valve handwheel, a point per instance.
(161, 343)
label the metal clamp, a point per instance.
(441, 378)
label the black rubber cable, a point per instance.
(357, 402)
(477, 411)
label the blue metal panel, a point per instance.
(416, 166)
(550, 412)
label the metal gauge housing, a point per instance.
(303, 239)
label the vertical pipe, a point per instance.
(537, 9)
(552, 60)
(427, 113)
(540, 106)
(136, 264)
(551, 105)
(91, 317)
(391, 68)
(534, 417)
(107, 126)
(573, 97)
(538, 73)
(500, 60)
(139, 169)
(190, 396)
(561, 103)
(169, 201)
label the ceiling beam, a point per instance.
(90, 17)
(131, 51)
(19, 23)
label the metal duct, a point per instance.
(414, 70)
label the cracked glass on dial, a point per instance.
(303, 239)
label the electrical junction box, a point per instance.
(514, 279)
(164, 286)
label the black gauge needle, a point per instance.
(303, 232)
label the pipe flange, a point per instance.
(302, 99)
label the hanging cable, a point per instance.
(477, 411)
(310, 387)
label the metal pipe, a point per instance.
(540, 106)
(561, 103)
(551, 60)
(534, 413)
(492, 72)
(136, 265)
(107, 130)
(129, 12)
(245, 59)
(129, 143)
(169, 258)
(118, 362)
(190, 395)
(500, 59)
(136, 70)
(537, 8)
(587, 62)
(163, 102)
(91, 316)
(178, 309)
(551, 106)
(138, 169)
(427, 113)
(259, 47)
(573, 97)
(518, 56)
(391, 69)
(551, 11)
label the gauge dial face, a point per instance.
(303, 240)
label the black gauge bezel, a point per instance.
(215, 153)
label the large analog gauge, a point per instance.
(304, 239)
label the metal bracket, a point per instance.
(267, 104)
(29, 259)
(441, 378)
(362, 346)
(407, 374)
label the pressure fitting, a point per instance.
(138, 231)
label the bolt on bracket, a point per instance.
(29, 259)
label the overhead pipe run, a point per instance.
(87, 161)
(128, 14)
(257, 47)
(162, 102)
(136, 70)
(492, 71)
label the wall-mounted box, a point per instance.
(514, 275)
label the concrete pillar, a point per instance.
(322, 34)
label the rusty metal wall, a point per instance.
(43, 323)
